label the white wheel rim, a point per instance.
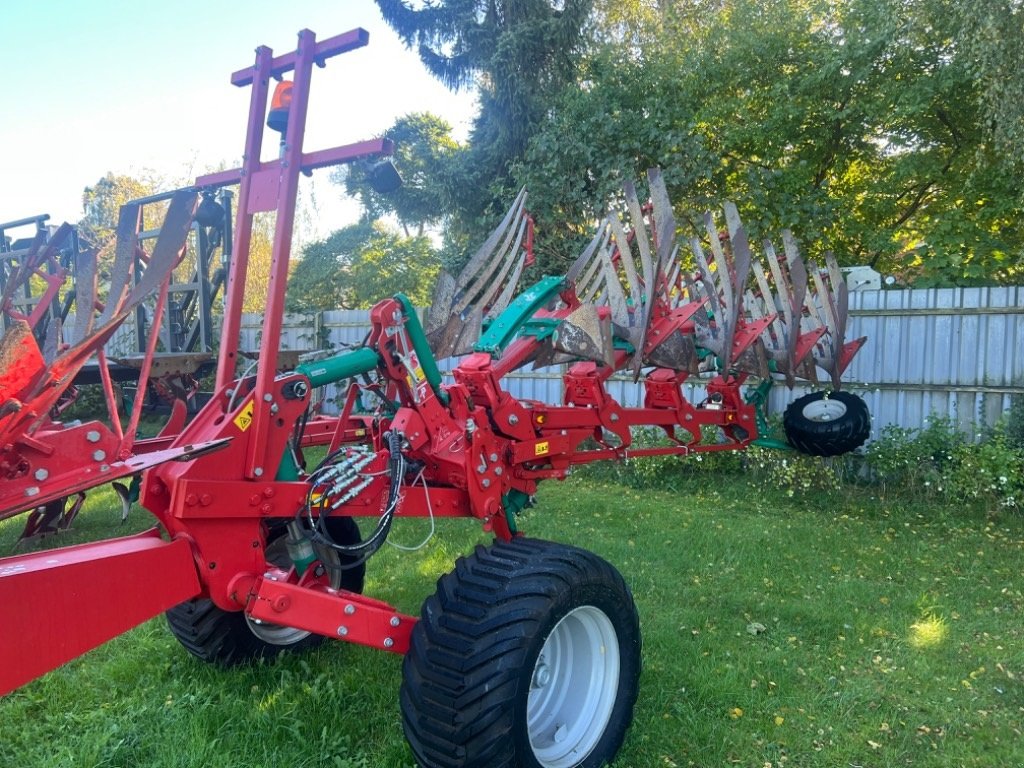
(276, 634)
(824, 410)
(573, 688)
(279, 634)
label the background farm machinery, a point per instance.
(529, 652)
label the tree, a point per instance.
(992, 32)
(257, 278)
(519, 54)
(102, 203)
(859, 125)
(358, 265)
(424, 153)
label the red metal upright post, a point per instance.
(234, 292)
(272, 186)
(288, 184)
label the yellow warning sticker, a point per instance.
(541, 449)
(244, 417)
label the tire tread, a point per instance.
(827, 438)
(468, 651)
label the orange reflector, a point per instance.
(277, 118)
(282, 98)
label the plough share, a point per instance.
(529, 652)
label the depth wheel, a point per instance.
(232, 637)
(827, 423)
(527, 655)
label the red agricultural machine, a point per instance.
(529, 652)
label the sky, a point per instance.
(143, 88)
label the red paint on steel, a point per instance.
(311, 161)
(334, 613)
(61, 603)
(234, 291)
(325, 49)
(258, 461)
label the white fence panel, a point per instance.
(955, 352)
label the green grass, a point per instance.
(892, 637)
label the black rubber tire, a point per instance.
(473, 656)
(227, 638)
(834, 436)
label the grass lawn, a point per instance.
(851, 631)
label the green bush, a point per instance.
(937, 462)
(991, 472)
(914, 459)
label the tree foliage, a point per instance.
(102, 203)
(360, 264)
(889, 131)
(261, 251)
(992, 35)
(519, 54)
(867, 127)
(424, 154)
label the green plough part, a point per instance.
(758, 397)
(422, 347)
(514, 502)
(507, 325)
